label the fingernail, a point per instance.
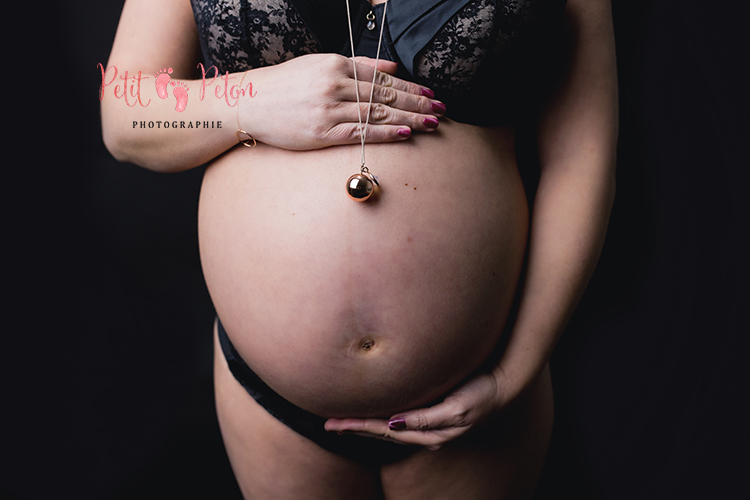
(438, 107)
(428, 93)
(430, 122)
(396, 424)
(404, 132)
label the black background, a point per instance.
(107, 353)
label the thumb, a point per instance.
(389, 67)
(434, 417)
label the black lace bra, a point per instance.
(480, 57)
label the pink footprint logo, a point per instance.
(162, 79)
(180, 89)
(180, 93)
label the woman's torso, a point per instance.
(364, 309)
(348, 308)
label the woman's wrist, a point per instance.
(517, 370)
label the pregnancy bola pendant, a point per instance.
(361, 186)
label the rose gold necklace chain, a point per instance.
(361, 186)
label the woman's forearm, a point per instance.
(308, 102)
(568, 225)
(577, 146)
(160, 38)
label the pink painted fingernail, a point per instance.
(438, 107)
(397, 424)
(430, 122)
(404, 132)
(428, 93)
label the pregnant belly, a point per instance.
(353, 309)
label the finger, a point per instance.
(379, 429)
(377, 426)
(348, 133)
(386, 66)
(432, 440)
(365, 74)
(374, 436)
(346, 117)
(443, 415)
(391, 97)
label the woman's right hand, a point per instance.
(310, 102)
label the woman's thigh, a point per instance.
(500, 461)
(271, 461)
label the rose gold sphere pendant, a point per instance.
(361, 186)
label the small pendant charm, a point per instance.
(360, 187)
(370, 21)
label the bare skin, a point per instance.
(489, 436)
(577, 137)
(414, 286)
(503, 459)
(406, 294)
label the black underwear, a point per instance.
(357, 448)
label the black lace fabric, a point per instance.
(454, 55)
(276, 32)
(242, 34)
(478, 50)
(477, 45)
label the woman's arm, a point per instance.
(577, 145)
(577, 140)
(308, 102)
(152, 36)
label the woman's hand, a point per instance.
(465, 408)
(310, 102)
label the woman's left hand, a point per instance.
(464, 408)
